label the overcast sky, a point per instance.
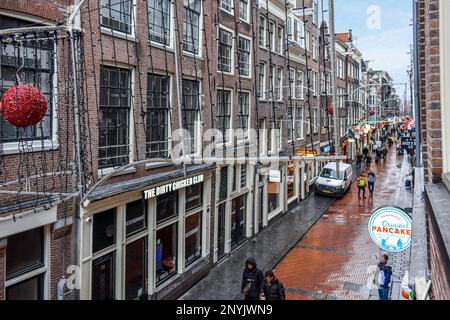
(382, 32)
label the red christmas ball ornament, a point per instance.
(372, 112)
(23, 105)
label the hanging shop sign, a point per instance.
(275, 176)
(174, 186)
(390, 229)
(408, 143)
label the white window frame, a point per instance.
(264, 33)
(232, 52)
(263, 94)
(280, 41)
(250, 55)
(247, 19)
(119, 34)
(231, 10)
(171, 31)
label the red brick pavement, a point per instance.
(332, 260)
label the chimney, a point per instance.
(350, 35)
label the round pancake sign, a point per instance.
(390, 229)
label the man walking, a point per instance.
(371, 179)
(273, 289)
(361, 184)
(384, 278)
(252, 280)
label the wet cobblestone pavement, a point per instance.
(336, 258)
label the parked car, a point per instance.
(334, 180)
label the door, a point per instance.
(103, 278)
(221, 214)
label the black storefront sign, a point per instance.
(408, 143)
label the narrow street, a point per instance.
(335, 258)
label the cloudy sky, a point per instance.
(382, 32)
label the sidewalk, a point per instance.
(224, 281)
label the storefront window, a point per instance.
(167, 206)
(238, 220)
(136, 217)
(104, 230)
(193, 238)
(135, 267)
(291, 180)
(25, 252)
(166, 253)
(194, 196)
(31, 289)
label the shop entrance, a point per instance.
(103, 278)
(238, 220)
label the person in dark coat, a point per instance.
(252, 280)
(273, 288)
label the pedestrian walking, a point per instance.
(359, 160)
(361, 183)
(252, 280)
(384, 277)
(273, 289)
(385, 152)
(368, 161)
(371, 179)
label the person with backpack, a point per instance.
(384, 277)
(273, 289)
(361, 184)
(371, 179)
(252, 280)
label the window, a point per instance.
(262, 81)
(166, 253)
(194, 197)
(292, 84)
(226, 5)
(38, 70)
(190, 113)
(315, 121)
(299, 86)
(243, 115)
(30, 289)
(115, 105)
(104, 230)
(315, 83)
(272, 77)
(243, 10)
(103, 277)
(289, 126)
(158, 108)
(24, 252)
(280, 40)
(117, 15)
(135, 268)
(224, 113)
(166, 206)
(136, 217)
(191, 25)
(272, 36)
(159, 21)
(262, 31)
(315, 48)
(279, 85)
(244, 56)
(291, 179)
(223, 187)
(299, 123)
(225, 51)
(243, 175)
(273, 196)
(193, 238)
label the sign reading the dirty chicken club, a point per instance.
(173, 186)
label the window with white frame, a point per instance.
(244, 56)
(315, 121)
(225, 51)
(292, 84)
(243, 112)
(262, 31)
(226, 5)
(191, 26)
(223, 114)
(315, 48)
(299, 86)
(272, 82)
(244, 10)
(25, 265)
(280, 43)
(272, 36)
(262, 81)
(159, 18)
(315, 83)
(36, 63)
(117, 15)
(299, 121)
(279, 84)
(115, 106)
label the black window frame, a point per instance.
(158, 91)
(191, 113)
(191, 26)
(223, 115)
(225, 51)
(243, 111)
(125, 25)
(160, 33)
(114, 155)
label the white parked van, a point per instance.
(334, 179)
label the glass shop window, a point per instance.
(194, 196)
(136, 217)
(104, 230)
(166, 253)
(193, 238)
(167, 206)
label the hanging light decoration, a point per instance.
(23, 106)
